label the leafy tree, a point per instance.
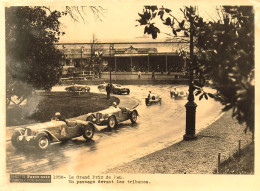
(225, 53)
(32, 61)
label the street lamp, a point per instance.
(191, 105)
(111, 47)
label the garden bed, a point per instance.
(42, 106)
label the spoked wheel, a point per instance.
(133, 117)
(111, 122)
(42, 141)
(88, 132)
(15, 140)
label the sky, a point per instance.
(119, 23)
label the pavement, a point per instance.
(200, 156)
(125, 101)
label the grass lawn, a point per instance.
(42, 106)
(243, 164)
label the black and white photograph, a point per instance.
(129, 95)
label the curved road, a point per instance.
(157, 127)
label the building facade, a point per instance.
(123, 60)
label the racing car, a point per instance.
(153, 98)
(40, 135)
(112, 116)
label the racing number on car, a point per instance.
(63, 131)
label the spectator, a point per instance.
(149, 94)
(153, 76)
(139, 74)
(108, 90)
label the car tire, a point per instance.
(83, 90)
(15, 142)
(111, 122)
(88, 90)
(42, 141)
(133, 116)
(88, 132)
(128, 92)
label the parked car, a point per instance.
(179, 94)
(116, 88)
(153, 98)
(41, 135)
(112, 116)
(77, 88)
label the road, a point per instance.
(158, 126)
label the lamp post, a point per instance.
(81, 56)
(191, 105)
(111, 47)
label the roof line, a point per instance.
(79, 43)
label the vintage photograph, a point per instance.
(123, 93)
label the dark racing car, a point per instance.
(115, 89)
(118, 89)
(77, 88)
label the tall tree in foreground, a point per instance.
(32, 61)
(225, 53)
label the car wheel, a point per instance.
(133, 116)
(111, 123)
(128, 92)
(15, 142)
(88, 131)
(84, 90)
(88, 90)
(42, 141)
